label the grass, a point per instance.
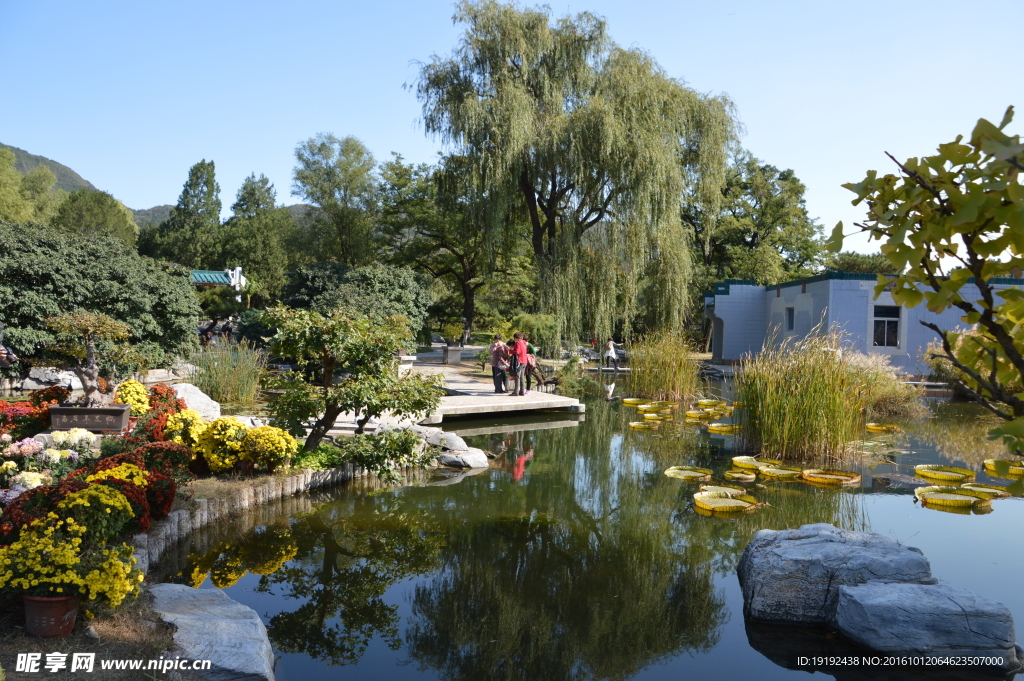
(662, 368)
(805, 400)
(229, 372)
(802, 400)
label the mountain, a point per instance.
(67, 179)
(155, 214)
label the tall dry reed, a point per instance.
(804, 399)
(662, 368)
(229, 371)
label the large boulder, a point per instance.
(211, 626)
(470, 458)
(932, 620)
(447, 441)
(795, 575)
(196, 399)
(45, 377)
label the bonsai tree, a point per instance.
(84, 337)
(351, 366)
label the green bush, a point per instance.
(44, 274)
(383, 454)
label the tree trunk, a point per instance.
(321, 426)
(361, 424)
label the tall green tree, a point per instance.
(577, 132)
(430, 219)
(190, 235)
(762, 230)
(30, 197)
(88, 212)
(253, 238)
(338, 177)
(861, 263)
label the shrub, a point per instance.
(133, 393)
(35, 504)
(167, 458)
(126, 471)
(185, 428)
(221, 443)
(163, 396)
(383, 454)
(268, 447)
(160, 494)
(103, 511)
(136, 496)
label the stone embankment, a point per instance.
(875, 592)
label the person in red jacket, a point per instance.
(519, 363)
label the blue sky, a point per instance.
(131, 94)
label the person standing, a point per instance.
(499, 365)
(531, 364)
(610, 354)
(518, 363)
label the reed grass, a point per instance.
(804, 399)
(229, 371)
(661, 368)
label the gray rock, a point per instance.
(795, 575)
(44, 377)
(184, 370)
(933, 620)
(198, 400)
(448, 441)
(471, 458)
(211, 626)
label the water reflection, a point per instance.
(573, 557)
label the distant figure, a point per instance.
(7, 356)
(518, 363)
(610, 354)
(531, 364)
(499, 365)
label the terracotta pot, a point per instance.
(50, 617)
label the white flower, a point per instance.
(5, 438)
(30, 480)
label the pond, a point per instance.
(574, 557)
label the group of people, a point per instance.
(513, 362)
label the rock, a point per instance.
(198, 400)
(795, 575)
(471, 458)
(448, 441)
(935, 620)
(44, 377)
(158, 376)
(184, 370)
(437, 338)
(90, 632)
(211, 626)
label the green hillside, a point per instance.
(67, 179)
(156, 214)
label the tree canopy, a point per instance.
(189, 236)
(583, 137)
(338, 177)
(44, 274)
(89, 212)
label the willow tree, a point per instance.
(590, 140)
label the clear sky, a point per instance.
(131, 94)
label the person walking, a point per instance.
(610, 354)
(518, 363)
(531, 364)
(499, 365)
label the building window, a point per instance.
(887, 326)
(790, 318)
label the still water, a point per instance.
(574, 557)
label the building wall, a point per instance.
(738, 321)
(743, 316)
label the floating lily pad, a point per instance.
(993, 491)
(955, 497)
(632, 401)
(689, 473)
(739, 476)
(1003, 468)
(781, 472)
(722, 502)
(944, 473)
(883, 428)
(643, 425)
(731, 490)
(825, 476)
